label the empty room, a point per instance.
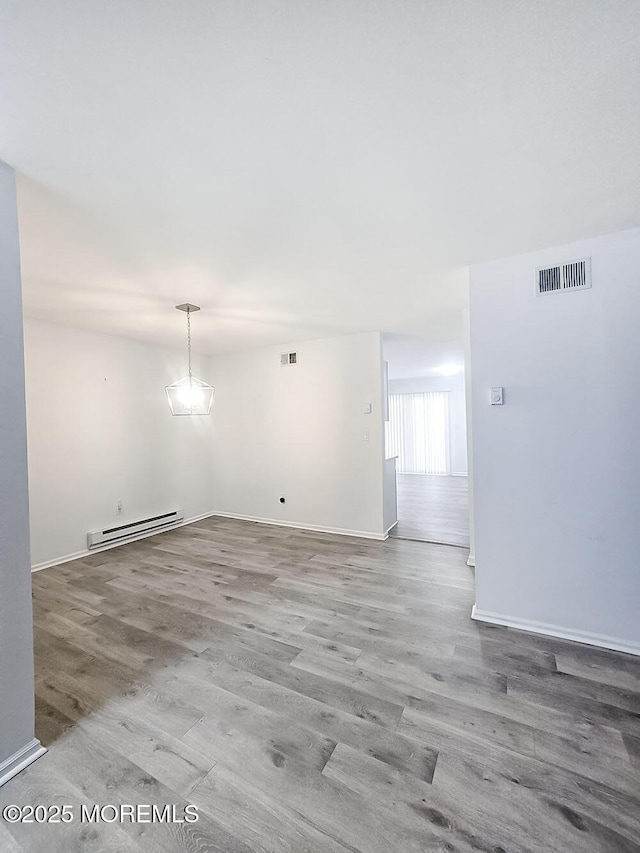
(319, 477)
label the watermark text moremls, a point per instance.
(139, 813)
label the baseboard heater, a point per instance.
(124, 531)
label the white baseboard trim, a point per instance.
(603, 641)
(389, 529)
(315, 528)
(20, 759)
(68, 558)
(471, 560)
(459, 474)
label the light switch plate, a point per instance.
(497, 395)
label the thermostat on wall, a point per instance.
(497, 395)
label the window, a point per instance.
(418, 432)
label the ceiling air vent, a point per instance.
(288, 358)
(572, 275)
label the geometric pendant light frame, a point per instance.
(190, 396)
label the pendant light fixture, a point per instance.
(190, 396)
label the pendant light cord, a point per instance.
(189, 341)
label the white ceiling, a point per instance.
(302, 168)
(410, 356)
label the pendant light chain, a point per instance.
(189, 341)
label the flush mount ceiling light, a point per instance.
(449, 369)
(190, 396)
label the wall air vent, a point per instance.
(571, 275)
(287, 358)
(549, 279)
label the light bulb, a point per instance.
(191, 397)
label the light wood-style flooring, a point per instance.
(433, 508)
(312, 693)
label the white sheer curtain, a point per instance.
(418, 432)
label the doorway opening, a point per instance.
(426, 435)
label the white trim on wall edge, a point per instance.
(316, 528)
(20, 759)
(603, 641)
(67, 558)
(471, 561)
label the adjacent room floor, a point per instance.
(433, 508)
(317, 693)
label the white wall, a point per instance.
(16, 624)
(298, 431)
(471, 560)
(557, 468)
(100, 430)
(454, 385)
(389, 495)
